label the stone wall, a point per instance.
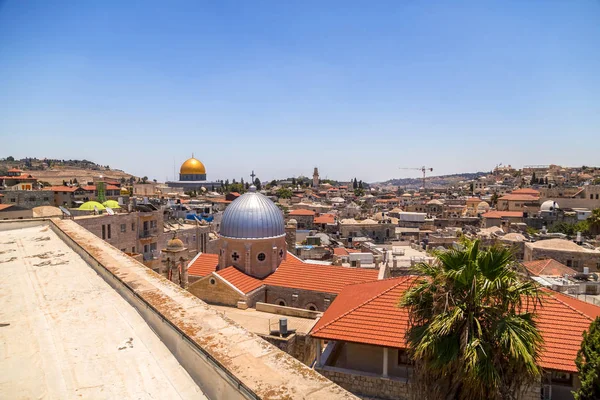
(124, 241)
(304, 298)
(367, 384)
(215, 291)
(28, 198)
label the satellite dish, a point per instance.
(110, 211)
(65, 212)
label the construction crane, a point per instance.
(423, 169)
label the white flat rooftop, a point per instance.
(67, 334)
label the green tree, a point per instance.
(355, 184)
(533, 179)
(257, 183)
(594, 222)
(284, 193)
(144, 179)
(10, 158)
(588, 364)
(494, 199)
(472, 332)
(358, 192)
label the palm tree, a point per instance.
(472, 333)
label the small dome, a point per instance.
(192, 167)
(252, 216)
(483, 206)
(435, 202)
(174, 244)
(549, 205)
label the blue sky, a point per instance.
(356, 88)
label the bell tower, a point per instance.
(316, 178)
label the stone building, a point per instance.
(28, 198)
(378, 231)
(9, 211)
(563, 251)
(304, 218)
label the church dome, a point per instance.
(192, 167)
(549, 205)
(252, 216)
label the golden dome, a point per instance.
(192, 167)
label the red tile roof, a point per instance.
(15, 170)
(503, 214)
(307, 213)
(5, 206)
(519, 197)
(203, 264)
(240, 280)
(294, 273)
(340, 251)
(528, 191)
(325, 219)
(562, 320)
(548, 267)
(369, 313)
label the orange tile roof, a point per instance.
(562, 320)
(503, 214)
(203, 264)
(519, 197)
(340, 251)
(529, 191)
(307, 213)
(15, 170)
(294, 273)
(325, 219)
(369, 313)
(548, 267)
(240, 280)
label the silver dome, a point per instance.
(252, 216)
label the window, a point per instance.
(13, 200)
(32, 199)
(123, 227)
(261, 257)
(123, 250)
(103, 231)
(133, 226)
(235, 256)
(46, 198)
(212, 281)
(561, 377)
(403, 357)
(133, 249)
(311, 307)
(591, 197)
(281, 303)
(109, 231)
(569, 263)
(596, 196)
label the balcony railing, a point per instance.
(146, 233)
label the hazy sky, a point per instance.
(357, 88)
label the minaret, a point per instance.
(316, 178)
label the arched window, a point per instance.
(261, 257)
(280, 302)
(311, 307)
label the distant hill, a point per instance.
(55, 171)
(433, 181)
